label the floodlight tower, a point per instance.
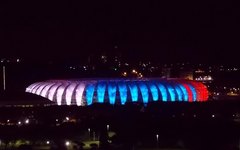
(3, 73)
(4, 78)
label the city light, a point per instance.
(67, 118)
(48, 142)
(157, 138)
(124, 74)
(27, 121)
(67, 143)
(89, 132)
(19, 122)
(134, 71)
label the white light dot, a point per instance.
(27, 121)
(67, 143)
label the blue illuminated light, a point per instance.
(112, 93)
(122, 92)
(144, 92)
(163, 92)
(101, 88)
(89, 94)
(185, 94)
(171, 92)
(154, 92)
(134, 91)
(194, 93)
(179, 93)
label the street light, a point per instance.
(27, 121)
(67, 118)
(157, 138)
(94, 136)
(67, 143)
(89, 133)
(108, 127)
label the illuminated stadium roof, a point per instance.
(119, 91)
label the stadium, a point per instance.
(119, 91)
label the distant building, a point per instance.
(186, 75)
(8, 99)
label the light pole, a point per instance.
(94, 136)
(89, 133)
(4, 78)
(157, 139)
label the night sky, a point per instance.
(204, 31)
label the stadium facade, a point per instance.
(119, 91)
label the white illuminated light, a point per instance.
(79, 93)
(34, 89)
(67, 118)
(27, 121)
(29, 88)
(52, 91)
(19, 122)
(69, 93)
(8, 120)
(40, 89)
(134, 71)
(67, 143)
(213, 116)
(48, 142)
(60, 91)
(45, 90)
